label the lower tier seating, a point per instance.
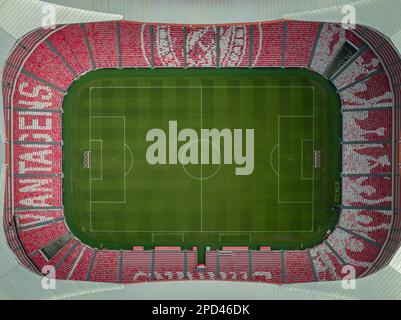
(366, 191)
(267, 266)
(373, 125)
(298, 267)
(37, 159)
(136, 266)
(37, 126)
(169, 265)
(27, 219)
(37, 192)
(105, 266)
(81, 266)
(353, 250)
(33, 94)
(367, 158)
(373, 92)
(371, 224)
(234, 265)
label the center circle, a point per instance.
(209, 176)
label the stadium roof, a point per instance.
(17, 17)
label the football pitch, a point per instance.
(201, 158)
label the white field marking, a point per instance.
(201, 177)
(313, 148)
(101, 158)
(271, 158)
(201, 88)
(90, 173)
(313, 176)
(194, 87)
(201, 180)
(124, 182)
(302, 159)
(278, 177)
(132, 160)
(198, 231)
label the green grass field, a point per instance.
(122, 200)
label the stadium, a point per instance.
(253, 150)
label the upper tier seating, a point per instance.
(234, 265)
(353, 250)
(7, 83)
(70, 42)
(332, 38)
(367, 191)
(371, 224)
(37, 159)
(65, 267)
(364, 65)
(45, 64)
(300, 41)
(234, 46)
(201, 46)
(57, 259)
(30, 192)
(298, 267)
(192, 264)
(353, 39)
(373, 125)
(367, 158)
(35, 126)
(326, 263)
(38, 237)
(33, 94)
(102, 38)
(135, 45)
(79, 272)
(136, 266)
(373, 92)
(168, 43)
(169, 265)
(105, 266)
(26, 219)
(266, 266)
(268, 45)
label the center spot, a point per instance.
(201, 171)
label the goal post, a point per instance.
(86, 159)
